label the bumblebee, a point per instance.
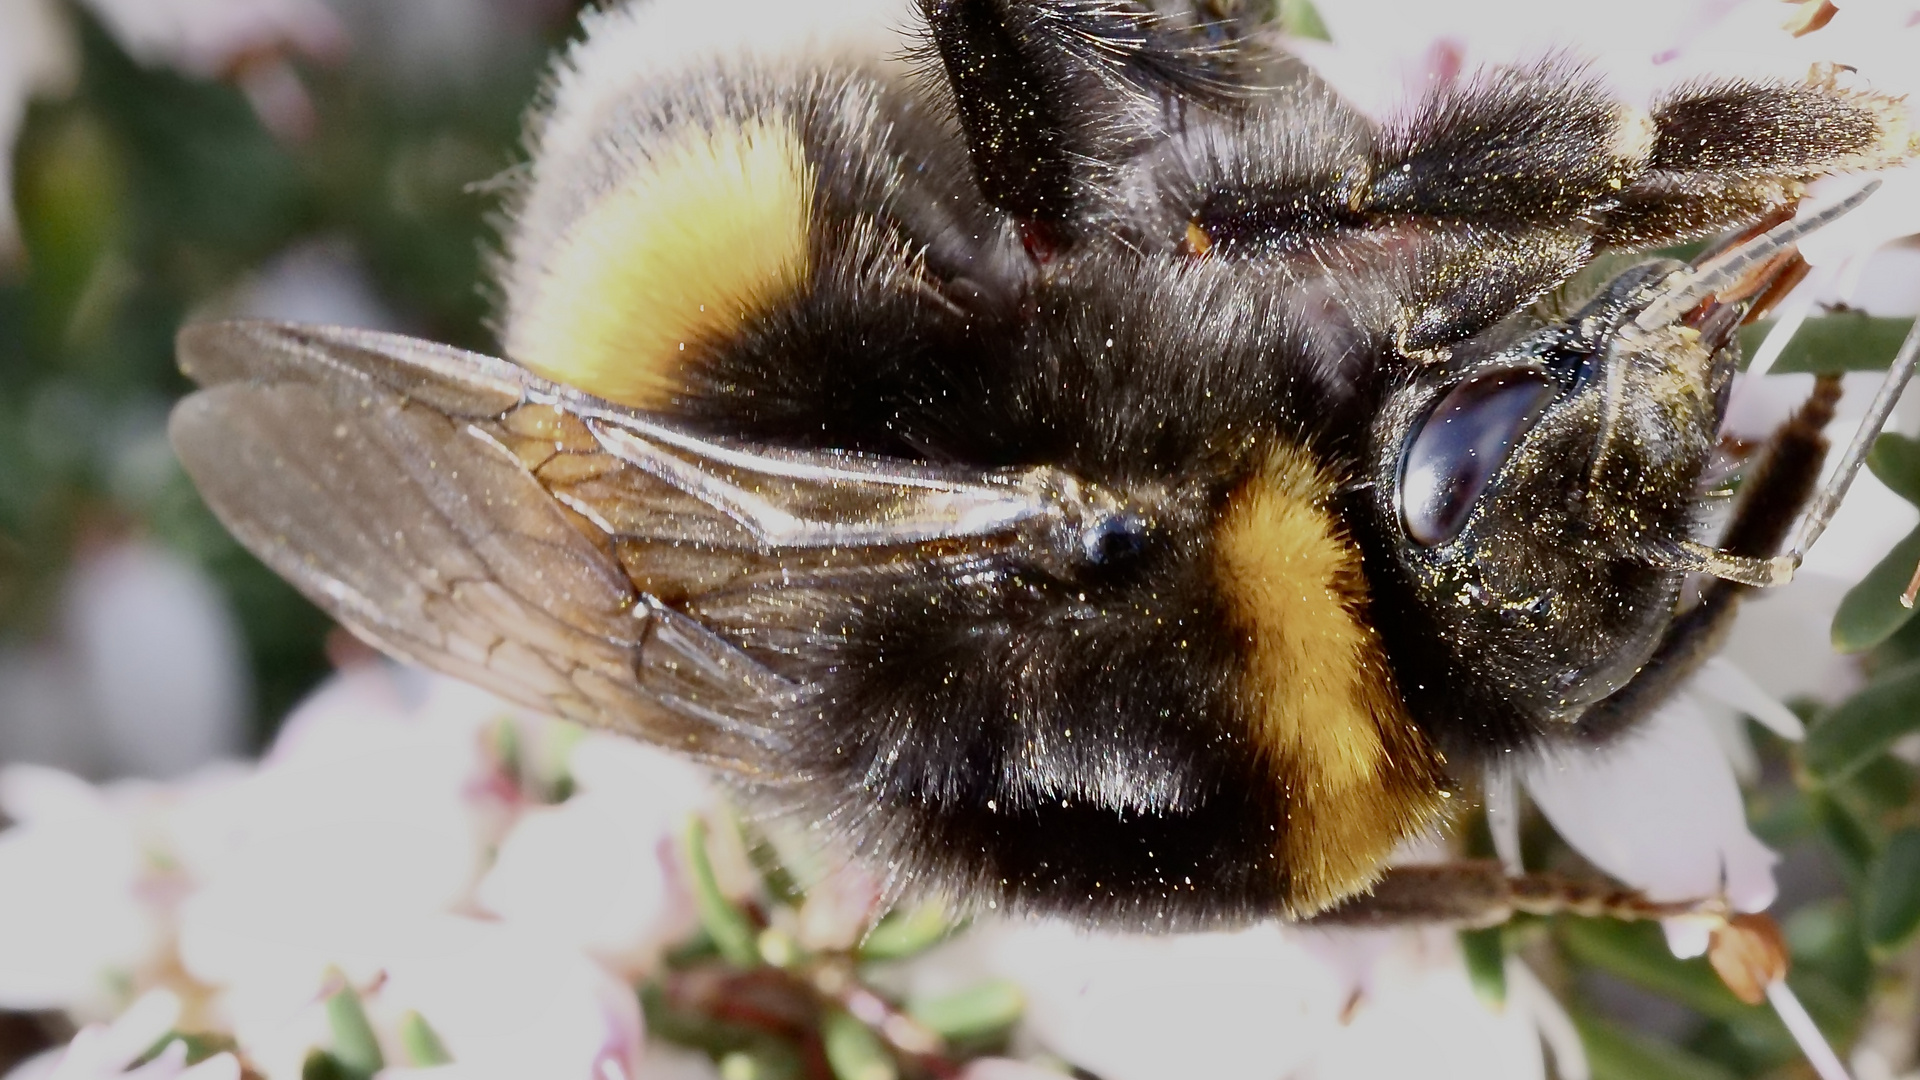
(1063, 450)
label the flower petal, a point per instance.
(1660, 810)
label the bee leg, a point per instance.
(1773, 496)
(1479, 893)
(1047, 94)
(1730, 153)
(1492, 187)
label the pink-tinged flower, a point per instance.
(103, 1051)
(74, 925)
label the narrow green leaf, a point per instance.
(1850, 734)
(732, 933)
(1615, 1053)
(320, 1065)
(421, 1042)
(354, 1045)
(1871, 612)
(976, 1012)
(1845, 838)
(1847, 341)
(1299, 18)
(908, 932)
(761, 1064)
(1883, 786)
(1895, 462)
(1638, 953)
(1893, 893)
(779, 879)
(853, 1051)
(1485, 953)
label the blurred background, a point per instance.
(322, 161)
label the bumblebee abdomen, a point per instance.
(748, 244)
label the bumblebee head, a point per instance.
(1534, 495)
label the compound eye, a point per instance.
(1457, 451)
(1115, 539)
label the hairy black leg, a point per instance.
(1052, 92)
(1513, 150)
(1726, 153)
(1476, 893)
(1535, 164)
(1490, 192)
(1771, 502)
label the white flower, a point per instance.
(600, 871)
(146, 676)
(74, 926)
(1263, 1002)
(159, 652)
(1660, 809)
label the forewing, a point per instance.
(459, 512)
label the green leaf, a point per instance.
(1825, 937)
(1615, 1053)
(1893, 893)
(421, 1042)
(979, 1011)
(1485, 953)
(1852, 733)
(1846, 839)
(1895, 462)
(354, 1046)
(1638, 953)
(853, 1051)
(1871, 612)
(320, 1065)
(760, 1064)
(732, 933)
(905, 932)
(1299, 18)
(1847, 341)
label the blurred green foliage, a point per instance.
(147, 197)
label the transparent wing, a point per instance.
(457, 511)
